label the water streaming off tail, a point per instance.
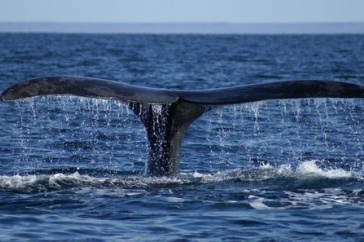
(71, 133)
(280, 132)
(68, 134)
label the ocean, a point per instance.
(72, 169)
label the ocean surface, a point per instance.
(72, 169)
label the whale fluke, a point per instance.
(174, 110)
(87, 87)
(101, 88)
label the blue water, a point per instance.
(72, 168)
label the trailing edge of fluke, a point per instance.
(179, 108)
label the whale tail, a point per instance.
(167, 114)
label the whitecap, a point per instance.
(310, 168)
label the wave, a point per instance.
(307, 172)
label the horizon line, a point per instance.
(181, 22)
(184, 27)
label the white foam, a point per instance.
(311, 168)
(17, 182)
(304, 170)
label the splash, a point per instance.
(303, 171)
(310, 168)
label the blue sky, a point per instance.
(161, 11)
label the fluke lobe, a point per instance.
(167, 114)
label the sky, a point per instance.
(186, 11)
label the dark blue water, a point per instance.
(72, 168)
